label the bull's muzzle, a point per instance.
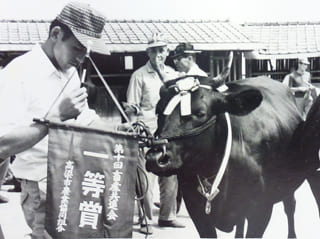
(157, 158)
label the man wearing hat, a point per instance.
(142, 97)
(299, 79)
(30, 88)
(184, 58)
(299, 82)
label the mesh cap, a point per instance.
(86, 24)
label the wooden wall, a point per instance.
(279, 68)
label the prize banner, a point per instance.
(91, 183)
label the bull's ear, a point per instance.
(243, 102)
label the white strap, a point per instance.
(183, 97)
(214, 188)
(222, 88)
(185, 104)
(227, 152)
(172, 104)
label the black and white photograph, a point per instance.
(159, 119)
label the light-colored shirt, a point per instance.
(143, 92)
(296, 79)
(300, 85)
(28, 87)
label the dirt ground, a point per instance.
(307, 220)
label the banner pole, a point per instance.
(110, 92)
(89, 44)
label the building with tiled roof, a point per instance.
(204, 35)
(22, 35)
(127, 41)
(132, 35)
(284, 40)
(259, 48)
(282, 44)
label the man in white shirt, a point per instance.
(44, 83)
(143, 95)
(299, 81)
(184, 58)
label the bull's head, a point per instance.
(190, 116)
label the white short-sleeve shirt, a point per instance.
(28, 87)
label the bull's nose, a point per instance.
(156, 159)
(154, 154)
(159, 163)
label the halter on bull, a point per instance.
(262, 168)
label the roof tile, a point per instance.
(285, 38)
(131, 33)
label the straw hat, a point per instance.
(86, 24)
(157, 40)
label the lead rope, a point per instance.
(214, 188)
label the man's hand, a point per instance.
(103, 124)
(161, 70)
(303, 88)
(72, 105)
(125, 127)
(130, 108)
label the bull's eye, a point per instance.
(200, 114)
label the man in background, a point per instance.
(184, 58)
(142, 97)
(299, 81)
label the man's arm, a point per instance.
(21, 138)
(300, 89)
(134, 93)
(287, 81)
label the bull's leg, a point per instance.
(202, 222)
(179, 198)
(289, 204)
(314, 182)
(195, 204)
(240, 228)
(258, 220)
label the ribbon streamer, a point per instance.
(185, 98)
(184, 88)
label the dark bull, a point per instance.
(263, 167)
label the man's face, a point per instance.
(183, 63)
(68, 52)
(158, 55)
(302, 67)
